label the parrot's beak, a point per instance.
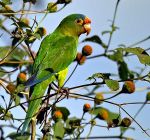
(87, 25)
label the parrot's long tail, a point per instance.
(36, 99)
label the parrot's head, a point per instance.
(75, 24)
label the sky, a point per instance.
(133, 21)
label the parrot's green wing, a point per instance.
(54, 50)
(55, 54)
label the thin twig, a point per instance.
(18, 62)
(29, 49)
(113, 24)
(9, 71)
(139, 42)
(101, 83)
(24, 12)
(135, 121)
(46, 96)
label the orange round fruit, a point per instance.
(86, 107)
(80, 58)
(126, 122)
(128, 87)
(22, 77)
(103, 114)
(57, 115)
(87, 50)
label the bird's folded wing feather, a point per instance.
(52, 57)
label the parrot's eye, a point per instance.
(79, 21)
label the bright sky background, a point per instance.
(134, 24)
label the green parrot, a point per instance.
(55, 54)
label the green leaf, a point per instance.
(22, 24)
(2, 72)
(17, 100)
(64, 1)
(52, 7)
(7, 2)
(106, 32)
(143, 57)
(71, 124)
(123, 70)
(148, 77)
(1, 110)
(18, 136)
(117, 56)
(111, 115)
(136, 50)
(124, 129)
(73, 121)
(1, 23)
(112, 84)
(64, 111)
(37, 35)
(114, 28)
(122, 45)
(47, 136)
(7, 116)
(20, 88)
(99, 75)
(95, 39)
(17, 55)
(59, 130)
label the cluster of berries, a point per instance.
(86, 51)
